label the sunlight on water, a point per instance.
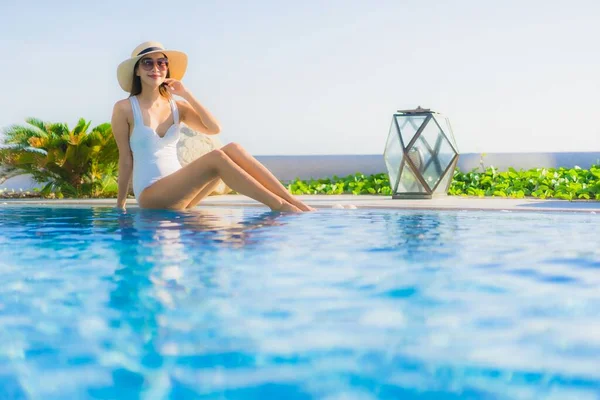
(340, 304)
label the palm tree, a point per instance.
(73, 163)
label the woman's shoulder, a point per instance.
(123, 104)
(122, 110)
(123, 107)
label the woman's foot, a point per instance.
(287, 207)
(301, 205)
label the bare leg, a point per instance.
(177, 190)
(259, 172)
(204, 192)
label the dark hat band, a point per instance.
(148, 50)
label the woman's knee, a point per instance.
(215, 156)
(218, 158)
(233, 146)
(210, 162)
(220, 155)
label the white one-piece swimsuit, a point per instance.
(154, 157)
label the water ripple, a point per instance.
(241, 303)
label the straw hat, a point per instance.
(177, 63)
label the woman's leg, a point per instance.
(177, 190)
(259, 172)
(204, 192)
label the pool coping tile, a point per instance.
(360, 201)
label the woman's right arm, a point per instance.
(120, 129)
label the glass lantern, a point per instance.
(420, 154)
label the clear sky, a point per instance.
(323, 76)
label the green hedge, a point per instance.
(561, 183)
(351, 184)
(543, 183)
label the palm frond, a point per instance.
(20, 147)
(81, 127)
(21, 134)
(38, 123)
(104, 128)
(9, 172)
(58, 128)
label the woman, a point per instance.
(146, 129)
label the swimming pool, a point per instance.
(240, 303)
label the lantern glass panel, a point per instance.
(409, 182)
(443, 185)
(444, 123)
(393, 155)
(435, 151)
(409, 125)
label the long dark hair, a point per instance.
(136, 86)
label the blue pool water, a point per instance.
(338, 304)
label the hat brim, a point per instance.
(177, 67)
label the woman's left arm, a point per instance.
(191, 112)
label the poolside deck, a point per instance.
(365, 201)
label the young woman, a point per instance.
(146, 128)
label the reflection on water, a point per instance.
(237, 303)
(156, 251)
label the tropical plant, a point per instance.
(351, 184)
(561, 183)
(70, 162)
(543, 183)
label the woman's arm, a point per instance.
(192, 113)
(120, 129)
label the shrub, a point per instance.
(71, 163)
(351, 184)
(561, 183)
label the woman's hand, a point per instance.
(175, 87)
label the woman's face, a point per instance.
(152, 69)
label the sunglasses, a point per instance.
(147, 64)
